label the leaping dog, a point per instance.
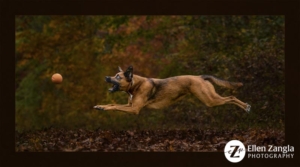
(158, 93)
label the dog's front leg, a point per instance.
(108, 106)
(112, 105)
(129, 104)
(125, 108)
(134, 106)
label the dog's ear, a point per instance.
(129, 73)
(120, 69)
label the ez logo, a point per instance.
(235, 151)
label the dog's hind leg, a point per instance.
(206, 93)
(234, 100)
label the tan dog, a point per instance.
(159, 93)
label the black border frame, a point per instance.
(10, 8)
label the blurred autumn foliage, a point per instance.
(85, 49)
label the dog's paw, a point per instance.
(98, 107)
(248, 108)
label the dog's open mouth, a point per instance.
(115, 85)
(114, 88)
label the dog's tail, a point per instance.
(220, 82)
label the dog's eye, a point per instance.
(118, 77)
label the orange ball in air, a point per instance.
(56, 78)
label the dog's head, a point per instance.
(121, 81)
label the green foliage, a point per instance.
(85, 49)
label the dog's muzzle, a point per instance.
(115, 86)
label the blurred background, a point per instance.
(85, 49)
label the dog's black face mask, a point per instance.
(121, 80)
(115, 86)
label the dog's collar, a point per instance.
(130, 96)
(130, 85)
